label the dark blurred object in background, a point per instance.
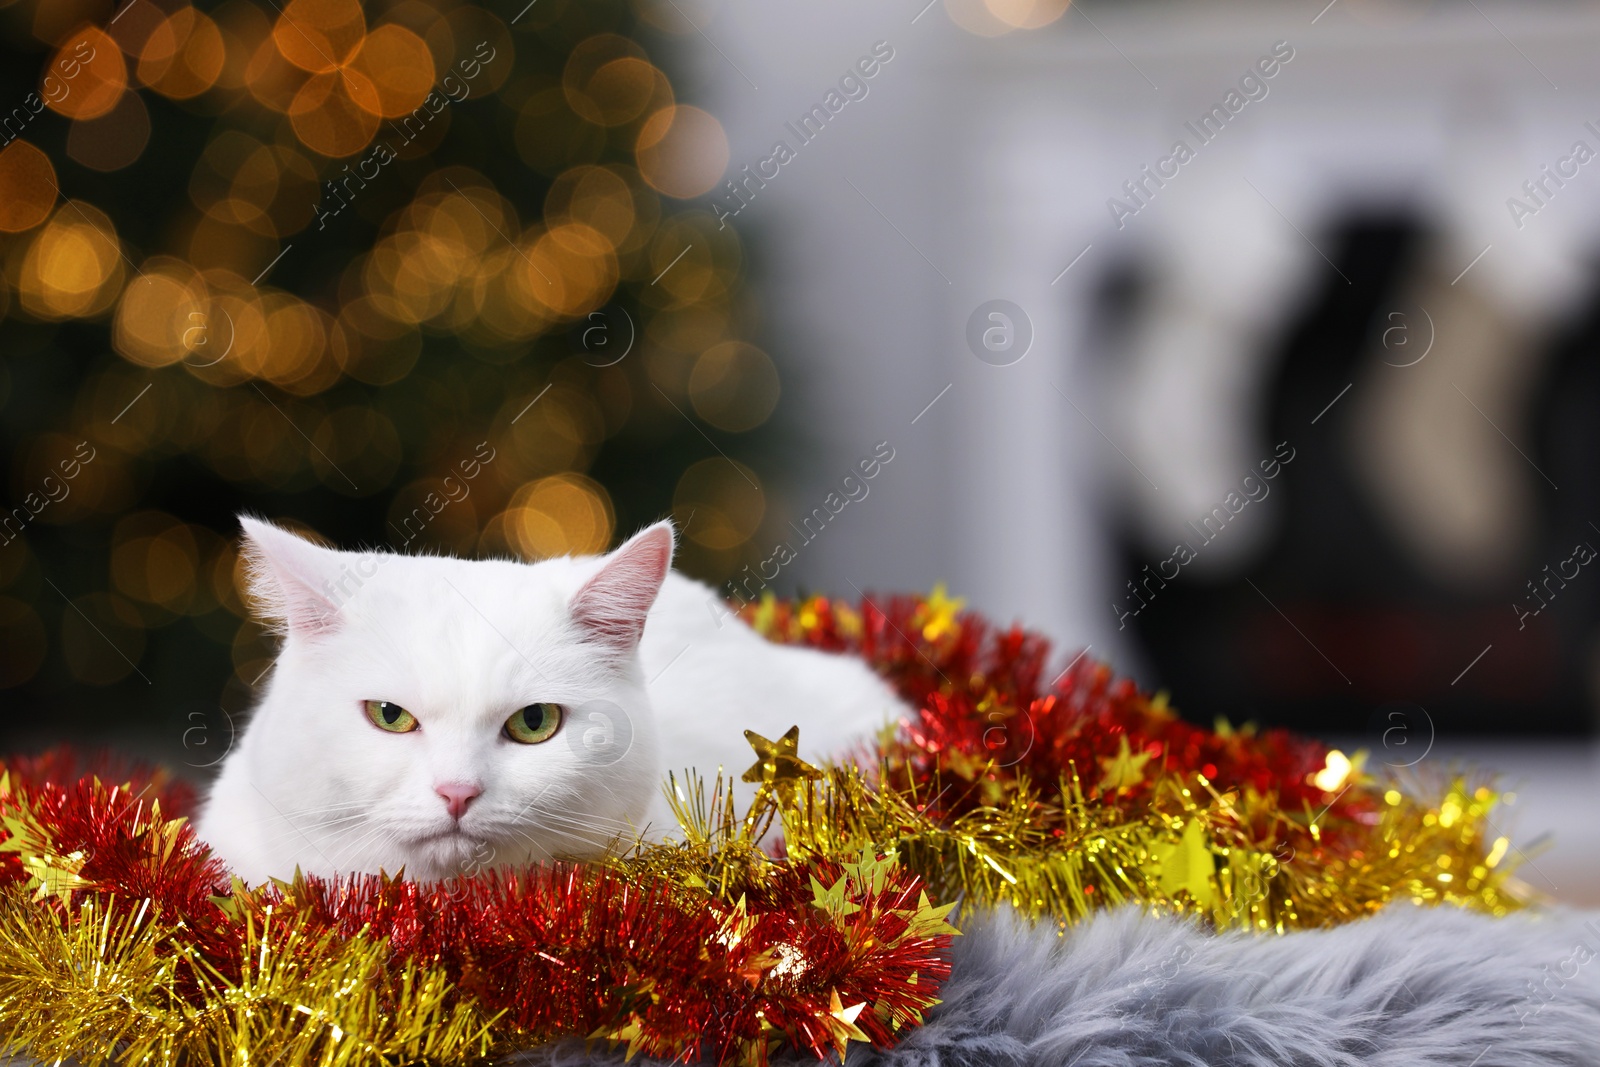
(1405, 579)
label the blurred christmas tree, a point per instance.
(414, 275)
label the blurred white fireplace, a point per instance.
(979, 169)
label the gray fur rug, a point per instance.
(1410, 987)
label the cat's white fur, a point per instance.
(313, 784)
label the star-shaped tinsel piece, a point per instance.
(1187, 864)
(937, 615)
(779, 764)
(841, 1023)
(834, 899)
(1124, 770)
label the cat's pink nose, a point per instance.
(457, 795)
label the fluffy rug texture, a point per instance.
(1410, 987)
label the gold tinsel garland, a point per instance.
(1064, 796)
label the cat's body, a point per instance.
(647, 683)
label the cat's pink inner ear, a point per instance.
(611, 607)
(288, 576)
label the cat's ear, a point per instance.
(610, 608)
(287, 576)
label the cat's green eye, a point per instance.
(386, 715)
(534, 723)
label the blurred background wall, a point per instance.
(1330, 283)
(1247, 346)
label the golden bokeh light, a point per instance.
(682, 151)
(1027, 14)
(397, 65)
(734, 386)
(372, 347)
(692, 262)
(27, 187)
(564, 514)
(245, 28)
(73, 268)
(91, 72)
(235, 320)
(333, 113)
(561, 432)
(183, 56)
(275, 193)
(218, 246)
(271, 336)
(608, 81)
(218, 167)
(570, 269)
(136, 23)
(416, 274)
(272, 79)
(468, 219)
(254, 185)
(726, 502)
(499, 297)
(271, 190)
(296, 336)
(114, 140)
(164, 315)
(623, 89)
(154, 559)
(597, 197)
(320, 35)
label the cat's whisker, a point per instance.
(355, 816)
(295, 826)
(581, 828)
(328, 832)
(378, 835)
(608, 827)
(302, 826)
(585, 820)
(326, 807)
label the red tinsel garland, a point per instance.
(555, 951)
(987, 694)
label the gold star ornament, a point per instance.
(778, 762)
(1187, 864)
(938, 614)
(1124, 770)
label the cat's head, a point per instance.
(446, 716)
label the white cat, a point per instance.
(445, 716)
